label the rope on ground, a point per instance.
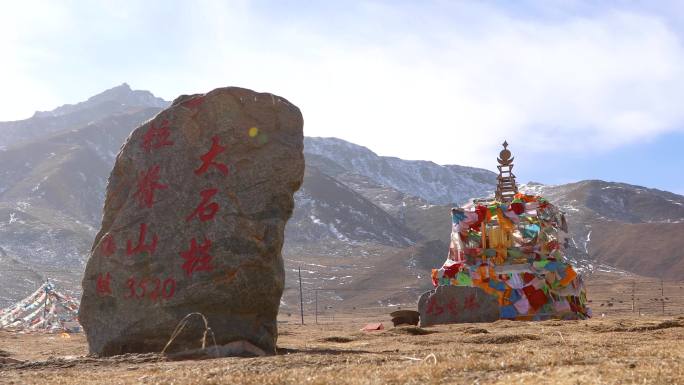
(181, 325)
(431, 355)
(561, 336)
(424, 360)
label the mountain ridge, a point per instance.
(119, 99)
(122, 94)
(424, 179)
(358, 216)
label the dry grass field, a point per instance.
(628, 341)
(607, 350)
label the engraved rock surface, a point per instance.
(194, 219)
(457, 304)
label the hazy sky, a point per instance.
(580, 91)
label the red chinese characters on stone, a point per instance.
(156, 137)
(208, 158)
(197, 258)
(433, 307)
(452, 307)
(142, 247)
(108, 245)
(148, 182)
(471, 303)
(206, 209)
(103, 286)
(152, 288)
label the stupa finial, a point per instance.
(506, 187)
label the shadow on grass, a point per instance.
(322, 351)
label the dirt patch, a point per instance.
(5, 359)
(501, 338)
(552, 323)
(638, 328)
(412, 330)
(476, 331)
(8, 361)
(337, 339)
(663, 325)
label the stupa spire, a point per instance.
(506, 187)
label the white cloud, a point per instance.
(452, 95)
(21, 24)
(443, 82)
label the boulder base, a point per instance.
(194, 217)
(457, 304)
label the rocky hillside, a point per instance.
(73, 116)
(326, 209)
(632, 228)
(427, 180)
(53, 172)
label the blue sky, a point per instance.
(581, 90)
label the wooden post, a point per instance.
(316, 307)
(47, 293)
(301, 298)
(484, 234)
(484, 239)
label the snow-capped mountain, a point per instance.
(326, 209)
(427, 180)
(629, 227)
(118, 100)
(53, 175)
(121, 95)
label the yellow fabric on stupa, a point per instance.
(505, 223)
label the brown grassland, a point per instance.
(621, 347)
(607, 350)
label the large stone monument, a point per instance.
(194, 218)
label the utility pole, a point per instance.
(47, 294)
(662, 295)
(633, 290)
(301, 298)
